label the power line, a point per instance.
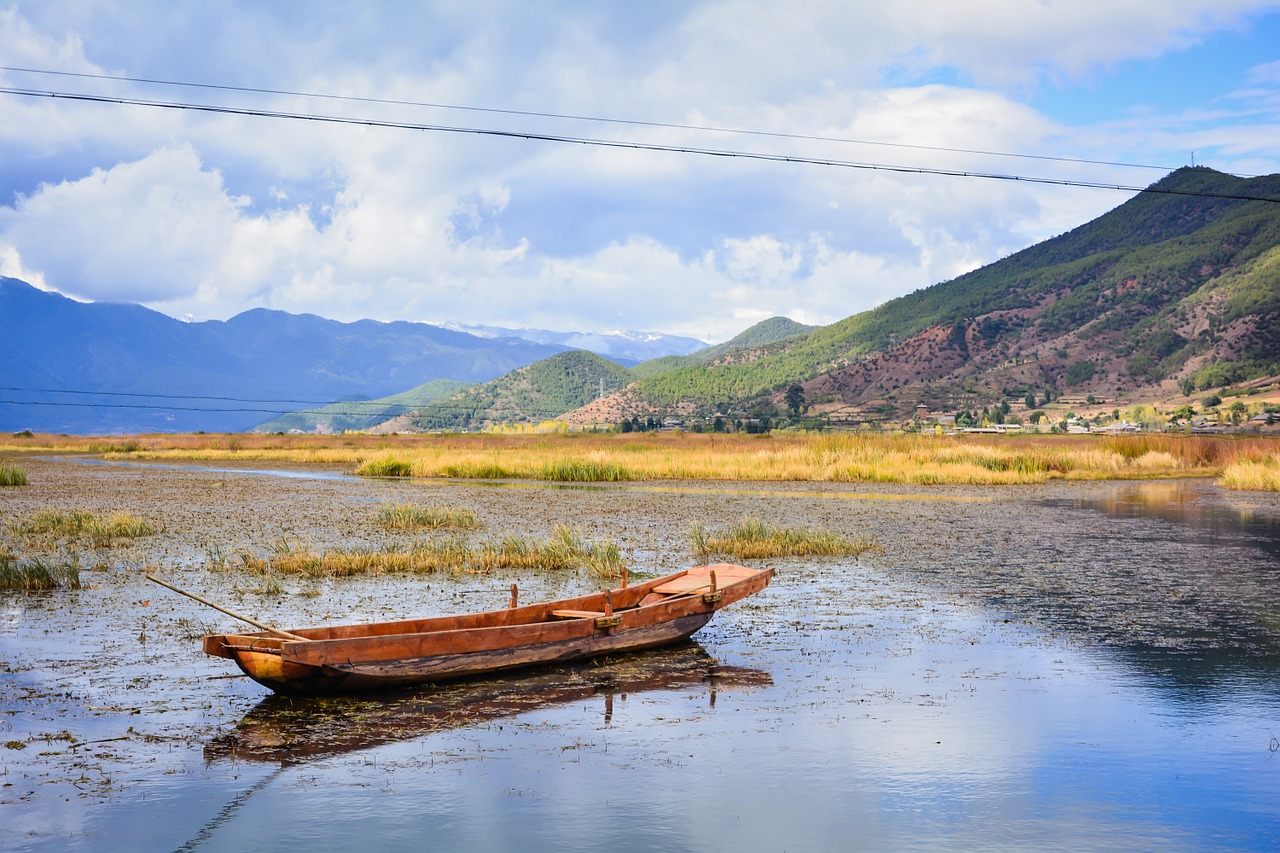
(613, 143)
(388, 410)
(572, 117)
(349, 408)
(176, 396)
(147, 406)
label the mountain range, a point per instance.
(1174, 293)
(103, 368)
(625, 347)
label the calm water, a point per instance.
(1051, 671)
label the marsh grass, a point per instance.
(584, 471)
(753, 539)
(826, 457)
(604, 560)
(414, 517)
(214, 558)
(840, 458)
(271, 584)
(564, 550)
(12, 475)
(476, 470)
(124, 447)
(385, 467)
(36, 574)
(79, 525)
(1262, 475)
(194, 629)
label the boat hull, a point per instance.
(306, 680)
(350, 659)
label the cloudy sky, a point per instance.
(207, 214)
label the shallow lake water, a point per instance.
(1076, 666)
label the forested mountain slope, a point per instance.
(1172, 290)
(540, 391)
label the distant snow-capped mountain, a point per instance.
(623, 346)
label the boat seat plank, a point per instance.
(683, 585)
(578, 614)
(725, 572)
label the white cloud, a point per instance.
(139, 231)
(213, 214)
(1004, 42)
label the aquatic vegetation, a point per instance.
(604, 559)
(413, 517)
(12, 475)
(916, 459)
(476, 471)
(385, 467)
(584, 471)
(754, 539)
(271, 584)
(1261, 475)
(37, 574)
(79, 524)
(122, 447)
(563, 551)
(214, 559)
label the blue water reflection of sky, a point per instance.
(936, 730)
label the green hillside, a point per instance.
(542, 391)
(1118, 281)
(363, 414)
(761, 334)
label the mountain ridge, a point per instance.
(1053, 316)
(99, 368)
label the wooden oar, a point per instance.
(254, 622)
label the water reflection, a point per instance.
(284, 473)
(1190, 504)
(1180, 577)
(290, 730)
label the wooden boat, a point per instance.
(350, 658)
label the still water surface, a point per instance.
(1094, 672)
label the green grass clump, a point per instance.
(1262, 475)
(413, 517)
(477, 471)
(604, 559)
(115, 447)
(753, 539)
(55, 523)
(584, 471)
(387, 467)
(80, 524)
(564, 550)
(36, 574)
(12, 475)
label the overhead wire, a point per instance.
(581, 118)
(331, 410)
(622, 144)
(169, 396)
(343, 408)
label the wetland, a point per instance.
(1070, 664)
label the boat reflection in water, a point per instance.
(292, 730)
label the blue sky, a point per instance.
(206, 215)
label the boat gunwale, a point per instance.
(491, 630)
